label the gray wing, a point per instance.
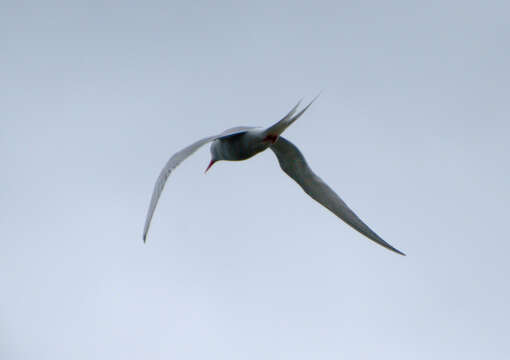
(173, 162)
(294, 164)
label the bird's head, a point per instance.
(215, 154)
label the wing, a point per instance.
(294, 164)
(173, 162)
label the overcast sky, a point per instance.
(412, 130)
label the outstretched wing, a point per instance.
(173, 162)
(294, 164)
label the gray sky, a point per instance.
(411, 130)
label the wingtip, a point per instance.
(384, 244)
(398, 251)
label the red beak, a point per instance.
(210, 164)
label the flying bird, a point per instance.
(241, 143)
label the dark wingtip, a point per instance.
(384, 244)
(397, 251)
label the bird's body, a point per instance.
(239, 146)
(241, 143)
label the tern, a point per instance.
(241, 143)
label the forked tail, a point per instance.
(277, 129)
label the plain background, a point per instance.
(412, 130)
